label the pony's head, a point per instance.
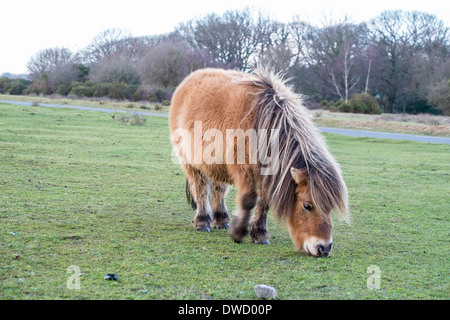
(310, 219)
(308, 184)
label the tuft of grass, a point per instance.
(133, 120)
(80, 191)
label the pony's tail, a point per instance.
(189, 198)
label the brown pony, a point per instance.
(259, 115)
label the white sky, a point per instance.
(28, 26)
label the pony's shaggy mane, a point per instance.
(300, 146)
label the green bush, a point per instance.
(324, 104)
(101, 90)
(337, 105)
(156, 94)
(82, 89)
(63, 89)
(37, 87)
(364, 103)
(346, 107)
(359, 103)
(121, 90)
(13, 86)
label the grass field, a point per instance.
(80, 189)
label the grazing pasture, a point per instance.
(83, 195)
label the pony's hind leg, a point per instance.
(200, 188)
(219, 209)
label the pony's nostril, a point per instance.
(320, 250)
(324, 250)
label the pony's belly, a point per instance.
(216, 172)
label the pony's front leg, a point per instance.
(245, 203)
(259, 232)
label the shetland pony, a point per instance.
(259, 114)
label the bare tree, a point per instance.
(280, 53)
(115, 67)
(114, 55)
(412, 45)
(303, 36)
(334, 51)
(235, 39)
(167, 63)
(47, 60)
(162, 65)
(105, 44)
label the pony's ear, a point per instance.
(300, 176)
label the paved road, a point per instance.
(386, 135)
(347, 132)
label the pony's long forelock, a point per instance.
(300, 146)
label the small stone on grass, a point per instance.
(265, 292)
(111, 276)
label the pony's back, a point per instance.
(213, 96)
(215, 99)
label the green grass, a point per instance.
(77, 188)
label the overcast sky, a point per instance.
(28, 26)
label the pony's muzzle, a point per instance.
(324, 250)
(318, 247)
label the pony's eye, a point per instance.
(307, 207)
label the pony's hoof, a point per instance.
(203, 229)
(222, 226)
(265, 241)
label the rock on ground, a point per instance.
(265, 292)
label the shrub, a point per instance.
(137, 95)
(121, 90)
(116, 90)
(345, 107)
(137, 120)
(63, 90)
(156, 94)
(101, 90)
(83, 89)
(364, 103)
(336, 106)
(37, 87)
(324, 104)
(13, 86)
(134, 120)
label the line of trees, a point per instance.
(400, 58)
